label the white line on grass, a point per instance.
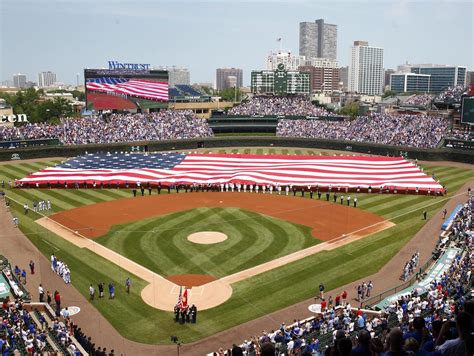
(52, 245)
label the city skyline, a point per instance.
(224, 35)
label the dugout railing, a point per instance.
(370, 302)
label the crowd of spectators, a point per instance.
(436, 322)
(419, 100)
(389, 129)
(313, 336)
(62, 331)
(451, 95)
(18, 330)
(163, 125)
(35, 332)
(278, 106)
(30, 131)
(441, 319)
(466, 135)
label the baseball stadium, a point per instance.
(144, 229)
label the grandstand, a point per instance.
(29, 327)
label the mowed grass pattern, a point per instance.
(252, 298)
(161, 244)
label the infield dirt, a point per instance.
(328, 220)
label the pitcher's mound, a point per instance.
(207, 237)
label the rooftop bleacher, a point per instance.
(173, 92)
(189, 90)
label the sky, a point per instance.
(67, 36)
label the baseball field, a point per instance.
(158, 241)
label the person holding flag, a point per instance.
(182, 305)
(184, 300)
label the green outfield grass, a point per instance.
(252, 298)
(161, 245)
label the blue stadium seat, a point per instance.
(189, 90)
(173, 93)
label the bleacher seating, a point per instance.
(173, 93)
(188, 90)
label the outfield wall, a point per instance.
(439, 154)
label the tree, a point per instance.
(388, 93)
(79, 95)
(350, 109)
(207, 90)
(52, 110)
(231, 94)
(31, 103)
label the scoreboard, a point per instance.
(467, 110)
(128, 89)
(280, 82)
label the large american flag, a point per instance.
(284, 170)
(140, 88)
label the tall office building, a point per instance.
(324, 74)
(176, 75)
(223, 73)
(290, 61)
(19, 81)
(409, 82)
(46, 79)
(366, 73)
(322, 79)
(469, 78)
(344, 77)
(442, 76)
(318, 39)
(386, 81)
